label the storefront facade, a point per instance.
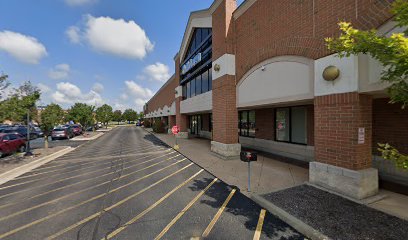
(252, 76)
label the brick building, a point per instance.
(252, 76)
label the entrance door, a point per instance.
(195, 124)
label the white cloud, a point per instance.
(74, 34)
(24, 48)
(98, 88)
(44, 88)
(68, 93)
(79, 2)
(60, 71)
(138, 91)
(113, 36)
(157, 72)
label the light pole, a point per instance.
(28, 150)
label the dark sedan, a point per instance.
(22, 130)
(62, 133)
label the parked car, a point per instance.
(77, 129)
(22, 130)
(62, 132)
(39, 132)
(10, 143)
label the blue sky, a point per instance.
(96, 51)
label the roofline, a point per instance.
(161, 88)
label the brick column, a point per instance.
(225, 115)
(343, 137)
(181, 119)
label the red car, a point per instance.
(10, 143)
(77, 129)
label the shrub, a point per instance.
(158, 127)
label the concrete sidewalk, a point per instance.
(269, 175)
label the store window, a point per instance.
(291, 125)
(246, 123)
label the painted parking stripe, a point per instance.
(218, 214)
(75, 170)
(258, 230)
(88, 179)
(94, 162)
(185, 209)
(47, 177)
(147, 210)
(88, 201)
(95, 215)
(89, 188)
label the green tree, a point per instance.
(22, 100)
(391, 52)
(104, 114)
(129, 115)
(117, 116)
(51, 116)
(82, 113)
(141, 115)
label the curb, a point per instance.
(88, 139)
(16, 172)
(296, 223)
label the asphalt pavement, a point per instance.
(129, 185)
(39, 143)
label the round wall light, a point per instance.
(217, 67)
(331, 73)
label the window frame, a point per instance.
(290, 125)
(241, 130)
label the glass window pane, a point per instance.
(251, 124)
(204, 33)
(299, 125)
(198, 36)
(188, 90)
(185, 91)
(198, 85)
(282, 124)
(204, 83)
(244, 123)
(209, 79)
(193, 86)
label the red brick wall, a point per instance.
(205, 122)
(225, 114)
(265, 126)
(390, 125)
(292, 27)
(337, 119)
(164, 97)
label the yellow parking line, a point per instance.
(83, 203)
(175, 219)
(36, 180)
(63, 164)
(133, 220)
(258, 230)
(73, 165)
(87, 189)
(86, 180)
(115, 205)
(218, 214)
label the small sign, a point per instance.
(361, 135)
(175, 130)
(191, 63)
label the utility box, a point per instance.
(248, 156)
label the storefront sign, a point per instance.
(361, 135)
(191, 63)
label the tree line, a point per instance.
(16, 103)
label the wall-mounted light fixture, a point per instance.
(263, 68)
(217, 67)
(331, 73)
